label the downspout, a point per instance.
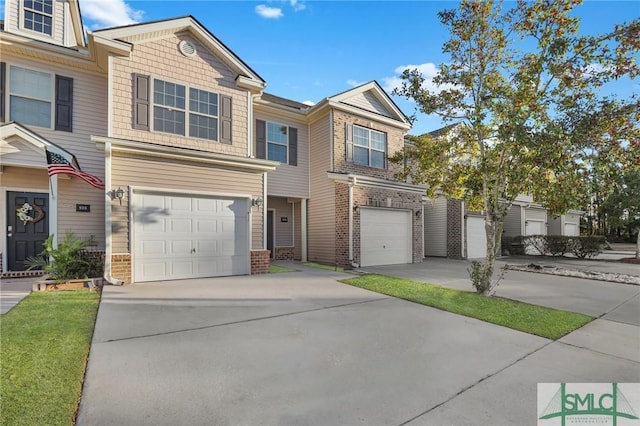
(108, 246)
(464, 230)
(352, 182)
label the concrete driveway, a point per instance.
(302, 349)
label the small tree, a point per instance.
(523, 83)
(69, 260)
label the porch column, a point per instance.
(53, 208)
(303, 228)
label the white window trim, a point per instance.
(370, 147)
(200, 114)
(266, 137)
(51, 101)
(186, 110)
(21, 16)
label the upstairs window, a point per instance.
(366, 147)
(38, 16)
(169, 107)
(276, 142)
(30, 94)
(203, 114)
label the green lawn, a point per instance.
(533, 319)
(44, 347)
(325, 267)
(276, 269)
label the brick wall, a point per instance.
(121, 267)
(395, 142)
(375, 197)
(284, 253)
(454, 229)
(260, 261)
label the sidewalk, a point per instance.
(12, 291)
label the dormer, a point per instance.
(53, 21)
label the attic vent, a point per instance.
(187, 48)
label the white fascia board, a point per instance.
(279, 110)
(251, 84)
(361, 180)
(175, 153)
(370, 115)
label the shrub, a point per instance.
(557, 245)
(534, 243)
(587, 246)
(70, 260)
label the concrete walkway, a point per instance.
(12, 291)
(301, 348)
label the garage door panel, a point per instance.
(476, 238)
(385, 237)
(189, 237)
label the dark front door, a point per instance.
(27, 227)
(270, 232)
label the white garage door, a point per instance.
(385, 237)
(476, 238)
(571, 229)
(535, 227)
(180, 237)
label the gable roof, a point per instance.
(368, 99)
(163, 28)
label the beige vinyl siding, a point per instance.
(286, 180)
(170, 175)
(435, 227)
(368, 102)
(555, 226)
(512, 222)
(160, 58)
(16, 178)
(89, 118)
(321, 206)
(284, 230)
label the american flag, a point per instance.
(57, 164)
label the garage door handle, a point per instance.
(193, 250)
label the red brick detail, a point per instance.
(374, 197)
(284, 253)
(121, 267)
(260, 261)
(454, 229)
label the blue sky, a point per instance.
(308, 50)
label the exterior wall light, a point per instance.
(116, 194)
(257, 202)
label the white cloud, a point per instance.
(310, 103)
(109, 13)
(269, 12)
(353, 83)
(297, 6)
(428, 70)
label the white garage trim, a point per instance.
(199, 266)
(386, 236)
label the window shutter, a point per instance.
(349, 141)
(140, 101)
(261, 139)
(225, 119)
(64, 104)
(293, 146)
(3, 85)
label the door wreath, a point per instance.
(24, 213)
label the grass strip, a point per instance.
(325, 267)
(532, 319)
(277, 269)
(45, 342)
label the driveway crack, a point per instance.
(287, 314)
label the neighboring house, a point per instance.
(204, 173)
(525, 218)
(567, 224)
(49, 84)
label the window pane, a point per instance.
(169, 121)
(29, 111)
(29, 83)
(378, 141)
(277, 133)
(361, 156)
(203, 102)
(203, 127)
(277, 153)
(360, 136)
(377, 159)
(168, 94)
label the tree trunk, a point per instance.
(482, 273)
(638, 245)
